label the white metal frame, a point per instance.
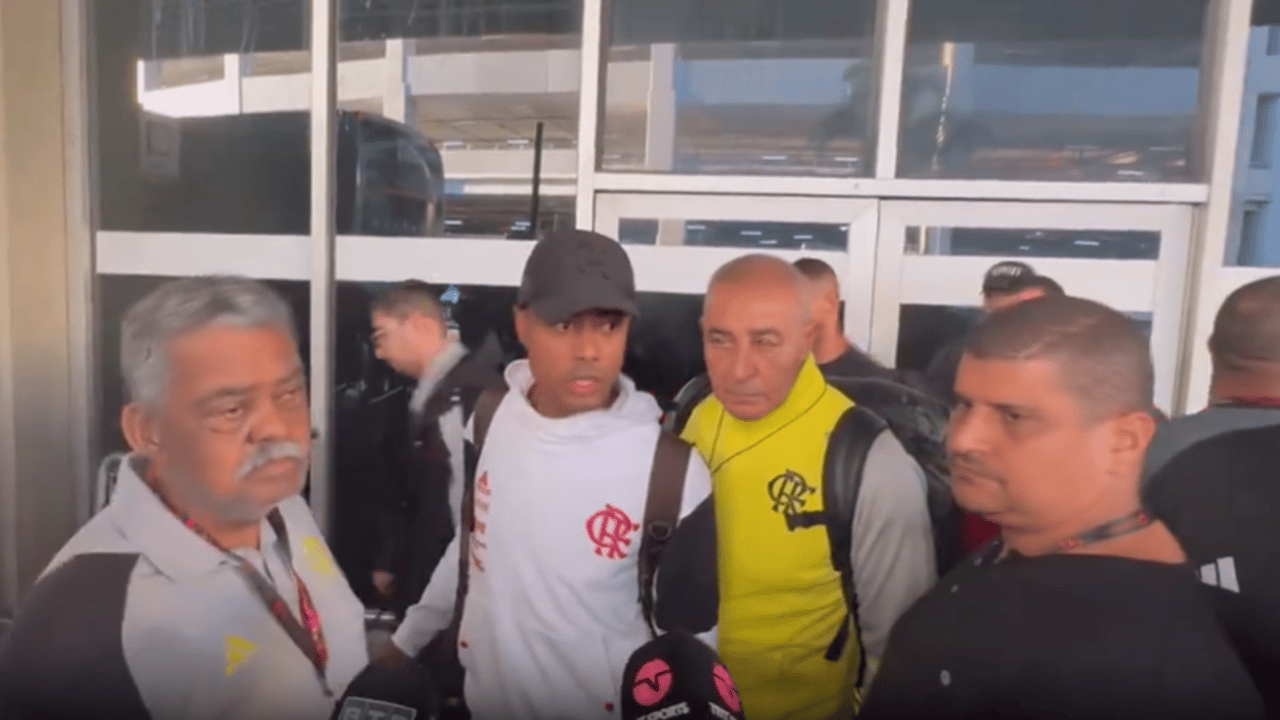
(321, 258)
(1155, 286)
(80, 171)
(324, 99)
(1227, 59)
(680, 269)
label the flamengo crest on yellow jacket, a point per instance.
(781, 603)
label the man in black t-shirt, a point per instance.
(1221, 498)
(835, 355)
(1084, 607)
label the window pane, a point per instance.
(727, 233)
(1069, 90)
(482, 81)
(1264, 130)
(371, 401)
(190, 139)
(774, 87)
(925, 330)
(1255, 231)
(1101, 244)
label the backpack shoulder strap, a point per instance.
(481, 418)
(661, 513)
(685, 402)
(847, 449)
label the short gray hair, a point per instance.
(181, 306)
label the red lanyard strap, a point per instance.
(308, 634)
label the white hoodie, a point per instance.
(552, 614)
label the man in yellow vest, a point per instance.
(785, 631)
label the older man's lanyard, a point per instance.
(308, 634)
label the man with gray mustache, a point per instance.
(204, 588)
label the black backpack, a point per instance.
(917, 419)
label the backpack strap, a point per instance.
(847, 450)
(685, 402)
(481, 418)
(661, 513)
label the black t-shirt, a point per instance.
(1221, 498)
(853, 363)
(1062, 636)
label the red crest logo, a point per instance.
(610, 530)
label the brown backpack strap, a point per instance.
(481, 418)
(661, 513)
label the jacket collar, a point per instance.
(158, 534)
(809, 386)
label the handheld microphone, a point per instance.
(403, 691)
(678, 676)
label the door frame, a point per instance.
(681, 269)
(1156, 286)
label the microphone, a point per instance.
(678, 676)
(401, 691)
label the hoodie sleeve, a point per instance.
(432, 613)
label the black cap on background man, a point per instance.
(572, 271)
(1010, 282)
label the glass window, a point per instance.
(925, 330)
(1264, 129)
(727, 233)
(483, 82)
(192, 139)
(774, 87)
(371, 400)
(1069, 90)
(1255, 238)
(1101, 244)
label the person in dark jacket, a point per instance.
(411, 334)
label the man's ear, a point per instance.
(520, 315)
(139, 430)
(1131, 434)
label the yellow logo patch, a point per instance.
(317, 556)
(238, 650)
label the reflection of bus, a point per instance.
(251, 174)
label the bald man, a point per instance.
(1245, 389)
(794, 645)
(835, 354)
(1084, 607)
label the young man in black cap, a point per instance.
(1006, 284)
(1085, 606)
(552, 533)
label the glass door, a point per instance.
(676, 242)
(933, 255)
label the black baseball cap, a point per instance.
(385, 691)
(677, 675)
(573, 271)
(1007, 277)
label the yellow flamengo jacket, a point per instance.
(781, 603)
